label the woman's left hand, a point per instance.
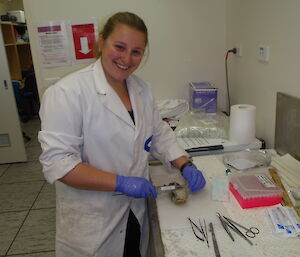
(194, 177)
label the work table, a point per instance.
(172, 236)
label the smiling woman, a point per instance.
(121, 54)
(99, 126)
(121, 46)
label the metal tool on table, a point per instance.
(225, 226)
(250, 232)
(168, 188)
(204, 230)
(206, 234)
(160, 189)
(216, 248)
(200, 230)
(165, 182)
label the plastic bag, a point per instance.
(203, 125)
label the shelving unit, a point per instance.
(18, 53)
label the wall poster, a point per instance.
(53, 44)
(84, 34)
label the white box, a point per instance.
(19, 14)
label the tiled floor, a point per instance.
(27, 204)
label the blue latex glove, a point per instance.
(194, 177)
(135, 186)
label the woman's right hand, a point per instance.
(135, 186)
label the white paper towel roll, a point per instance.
(242, 123)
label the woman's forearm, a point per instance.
(86, 177)
(177, 163)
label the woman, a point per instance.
(98, 126)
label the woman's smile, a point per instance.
(122, 67)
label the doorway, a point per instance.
(19, 93)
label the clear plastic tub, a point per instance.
(247, 159)
(254, 190)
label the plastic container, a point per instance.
(254, 190)
(247, 159)
(19, 14)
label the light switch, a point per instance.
(263, 53)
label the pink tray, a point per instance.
(254, 202)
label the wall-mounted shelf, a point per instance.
(17, 49)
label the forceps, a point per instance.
(200, 230)
(250, 232)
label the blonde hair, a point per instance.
(126, 18)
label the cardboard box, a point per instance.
(203, 97)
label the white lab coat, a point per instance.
(83, 120)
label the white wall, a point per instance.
(269, 22)
(6, 6)
(15, 5)
(187, 39)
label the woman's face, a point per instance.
(121, 53)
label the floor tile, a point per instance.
(3, 168)
(33, 153)
(33, 165)
(18, 196)
(46, 198)
(31, 171)
(9, 224)
(37, 233)
(38, 254)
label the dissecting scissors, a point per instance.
(225, 226)
(250, 232)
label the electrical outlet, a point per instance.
(239, 51)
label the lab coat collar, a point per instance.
(111, 99)
(102, 86)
